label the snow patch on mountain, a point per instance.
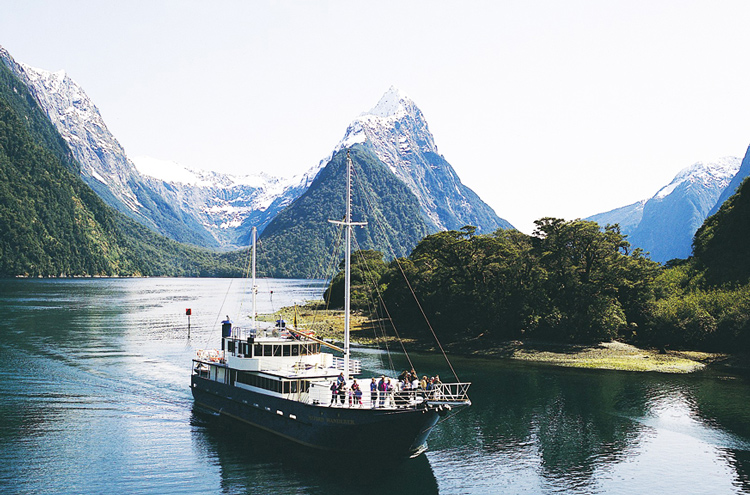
(665, 224)
(718, 172)
(397, 132)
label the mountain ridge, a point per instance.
(664, 224)
(396, 130)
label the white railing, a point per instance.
(448, 393)
(355, 367)
(210, 355)
(439, 394)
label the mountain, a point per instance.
(228, 206)
(53, 224)
(734, 184)
(627, 216)
(103, 163)
(670, 218)
(396, 131)
(202, 208)
(722, 243)
(218, 210)
(298, 241)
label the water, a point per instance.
(94, 399)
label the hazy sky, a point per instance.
(544, 108)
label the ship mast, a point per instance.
(255, 287)
(347, 261)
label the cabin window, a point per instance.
(286, 387)
(258, 350)
(293, 387)
(230, 346)
(277, 350)
(295, 350)
(287, 350)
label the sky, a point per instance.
(543, 108)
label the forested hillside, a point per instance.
(53, 224)
(722, 244)
(300, 241)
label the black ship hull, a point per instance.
(353, 430)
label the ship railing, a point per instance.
(454, 394)
(210, 356)
(355, 367)
(448, 393)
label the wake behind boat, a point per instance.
(281, 381)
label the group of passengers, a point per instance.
(381, 391)
(409, 380)
(340, 393)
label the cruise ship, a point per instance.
(288, 382)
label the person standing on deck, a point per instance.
(334, 392)
(382, 390)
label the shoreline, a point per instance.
(614, 355)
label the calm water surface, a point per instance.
(94, 399)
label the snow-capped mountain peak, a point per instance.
(393, 127)
(396, 131)
(719, 171)
(394, 104)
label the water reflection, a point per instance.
(548, 430)
(253, 461)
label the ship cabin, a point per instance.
(273, 362)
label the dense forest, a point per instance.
(570, 281)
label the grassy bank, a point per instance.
(606, 356)
(329, 325)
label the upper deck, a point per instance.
(279, 352)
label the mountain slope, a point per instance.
(734, 184)
(396, 131)
(216, 210)
(53, 224)
(722, 244)
(628, 217)
(298, 242)
(227, 205)
(670, 218)
(674, 214)
(104, 165)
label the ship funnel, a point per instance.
(226, 328)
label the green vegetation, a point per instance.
(571, 282)
(299, 240)
(53, 224)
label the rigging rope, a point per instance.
(375, 211)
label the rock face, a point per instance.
(227, 205)
(668, 220)
(396, 131)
